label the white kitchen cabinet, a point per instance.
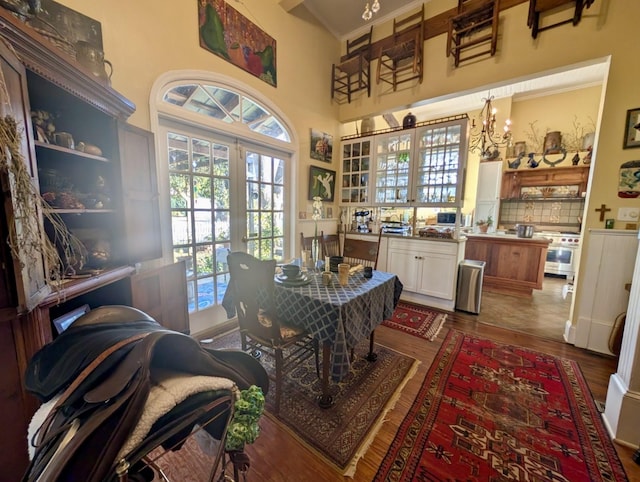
(489, 181)
(427, 269)
(488, 190)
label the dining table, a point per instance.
(338, 316)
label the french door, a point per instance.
(225, 195)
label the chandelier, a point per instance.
(484, 137)
(369, 11)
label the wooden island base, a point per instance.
(514, 266)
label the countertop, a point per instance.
(537, 238)
(412, 237)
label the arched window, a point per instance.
(227, 106)
(224, 154)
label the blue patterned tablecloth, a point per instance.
(340, 316)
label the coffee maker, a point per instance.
(362, 219)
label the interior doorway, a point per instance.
(544, 314)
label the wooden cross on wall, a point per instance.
(602, 210)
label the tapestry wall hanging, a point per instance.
(232, 36)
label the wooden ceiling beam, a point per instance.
(434, 26)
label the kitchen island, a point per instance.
(514, 266)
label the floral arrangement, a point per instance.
(317, 213)
(244, 428)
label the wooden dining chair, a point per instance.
(364, 252)
(331, 245)
(261, 331)
(306, 241)
(360, 251)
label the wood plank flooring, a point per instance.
(277, 456)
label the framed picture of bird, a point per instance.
(632, 131)
(232, 36)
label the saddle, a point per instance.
(101, 371)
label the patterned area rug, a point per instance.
(342, 433)
(488, 411)
(416, 320)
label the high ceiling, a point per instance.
(343, 18)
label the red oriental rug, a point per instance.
(416, 320)
(488, 411)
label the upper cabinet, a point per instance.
(422, 166)
(356, 170)
(545, 183)
(393, 161)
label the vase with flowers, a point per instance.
(315, 243)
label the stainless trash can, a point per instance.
(469, 291)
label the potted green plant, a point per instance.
(483, 224)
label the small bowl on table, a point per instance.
(291, 271)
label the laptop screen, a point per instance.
(63, 322)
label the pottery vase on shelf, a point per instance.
(483, 228)
(409, 121)
(367, 125)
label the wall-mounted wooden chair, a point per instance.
(537, 7)
(403, 61)
(473, 30)
(353, 73)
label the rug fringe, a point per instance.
(350, 470)
(435, 333)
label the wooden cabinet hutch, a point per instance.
(37, 75)
(514, 180)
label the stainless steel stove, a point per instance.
(561, 255)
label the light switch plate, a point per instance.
(628, 214)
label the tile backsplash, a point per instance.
(548, 212)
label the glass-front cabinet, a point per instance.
(356, 170)
(392, 168)
(422, 166)
(440, 163)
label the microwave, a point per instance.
(445, 218)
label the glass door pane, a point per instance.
(199, 183)
(264, 205)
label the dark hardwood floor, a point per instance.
(277, 456)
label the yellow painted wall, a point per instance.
(144, 39)
(557, 112)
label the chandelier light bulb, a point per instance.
(375, 8)
(486, 138)
(367, 14)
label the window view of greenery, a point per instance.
(265, 206)
(200, 215)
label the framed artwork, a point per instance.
(322, 183)
(321, 146)
(232, 36)
(632, 130)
